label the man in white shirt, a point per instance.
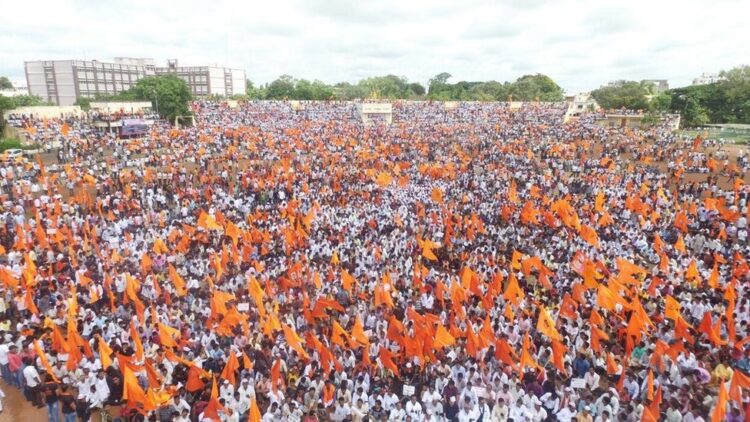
(341, 411)
(31, 391)
(468, 412)
(484, 410)
(398, 414)
(414, 409)
(567, 413)
(591, 379)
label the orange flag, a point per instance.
(136, 340)
(347, 280)
(105, 353)
(230, 368)
(254, 412)
(167, 335)
(720, 410)
(43, 359)
(443, 338)
(338, 334)
(546, 325)
(386, 358)
(194, 382)
(558, 355)
(294, 341)
(179, 283)
(739, 382)
(437, 195)
(213, 407)
(672, 308)
(588, 234)
(513, 290)
(611, 364)
(358, 336)
(276, 374)
(133, 393)
(526, 359)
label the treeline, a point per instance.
(526, 88)
(726, 101)
(9, 103)
(169, 95)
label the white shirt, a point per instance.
(414, 410)
(31, 375)
(4, 354)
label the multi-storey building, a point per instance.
(208, 80)
(62, 82)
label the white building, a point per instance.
(707, 78)
(579, 104)
(62, 82)
(208, 80)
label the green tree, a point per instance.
(282, 88)
(438, 86)
(660, 103)
(417, 89)
(321, 90)
(84, 103)
(533, 87)
(255, 93)
(736, 90)
(169, 91)
(5, 83)
(623, 94)
(347, 91)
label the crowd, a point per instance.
(476, 262)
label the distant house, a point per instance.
(707, 78)
(579, 104)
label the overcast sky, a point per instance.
(580, 44)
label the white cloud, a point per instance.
(581, 44)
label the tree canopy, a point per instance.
(5, 83)
(726, 101)
(170, 91)
(623, 94)
(526, 88)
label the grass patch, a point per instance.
(6, 144)
(731, 136)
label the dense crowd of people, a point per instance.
(478, 262)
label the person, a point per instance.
(567, 413)
(32, 382)
(414, 408)
(585, 414)
(48, 390)
(397, 414)
(499, 411)
(377, 412)
(341, 410)
(345, 260)
(359, 411)
(67, 403)
(469, 412)
(485, 413)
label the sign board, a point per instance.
(408, 390)
(578, 383)
(480, 391)
(376, 108)
(243, 307)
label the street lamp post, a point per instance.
(156, 97)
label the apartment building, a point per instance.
(61, 82)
